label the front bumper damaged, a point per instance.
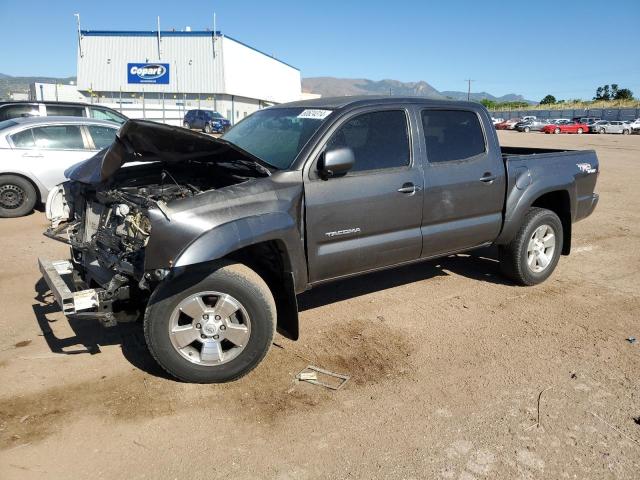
(56, 274)
(83, 303)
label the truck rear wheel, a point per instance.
(533, 254)
(215, 330)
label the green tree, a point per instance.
(488, 103)
(623, 94)
(614, 91)
(603, 93)
(548, 100)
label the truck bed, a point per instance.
(534, 170)
(513, 151)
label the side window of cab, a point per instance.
(379, 140)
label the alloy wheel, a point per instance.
(209, 328)
(541, 247)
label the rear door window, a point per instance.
(102, 136)
(452, 135)
(379, 140)
(59, 137)
(65, 111)
(23, 139)
(104, 114)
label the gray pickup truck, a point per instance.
(210, 240)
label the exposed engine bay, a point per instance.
(108, 227)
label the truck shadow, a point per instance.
(89, 335)
(481, 264)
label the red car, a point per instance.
(568, 127)
(507, 124)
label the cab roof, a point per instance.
(365, 100)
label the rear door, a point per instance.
(199, 123)
(57, 147)
(100, 136)
(464, 182)
(369, 218)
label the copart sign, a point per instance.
(154, 73)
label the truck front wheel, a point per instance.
(533, 254)
(214, 330)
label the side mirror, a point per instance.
(336, 162)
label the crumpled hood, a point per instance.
(146, 141)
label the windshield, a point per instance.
(215, 115)
(277, 135)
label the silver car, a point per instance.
(615, 126)
(35, 152)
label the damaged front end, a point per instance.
(105, 213)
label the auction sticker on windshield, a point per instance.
(316, 114)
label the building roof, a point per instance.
(148, 33)
(173, 33)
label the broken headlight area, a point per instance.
(108, 227)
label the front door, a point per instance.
(369, 218)
(464, 182)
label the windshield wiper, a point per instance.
(250, 164)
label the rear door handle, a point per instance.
(488, 178)
(32, 155)
(409, 188)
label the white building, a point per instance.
(160, 75)
(54, 91)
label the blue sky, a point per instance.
(531, 48)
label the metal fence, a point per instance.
(603, 113)
(169, 110)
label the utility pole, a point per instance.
(77, 15)
(468, 80)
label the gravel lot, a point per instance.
(447, 362)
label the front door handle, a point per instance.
(488, 178)
(32, 155)
(409, 188)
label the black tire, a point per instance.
(17, 196)
(207, 128)
(234, 279)
(186, 125)
(602, 130)
(513, 257)
(557, 131)
(625, 132)
(527, 129)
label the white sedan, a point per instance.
(35, 152)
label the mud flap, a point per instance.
(287, 306)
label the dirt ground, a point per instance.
(447, 363)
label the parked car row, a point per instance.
(576, 125)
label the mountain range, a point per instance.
(337, 87)
(9, 84)
(326, 86)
